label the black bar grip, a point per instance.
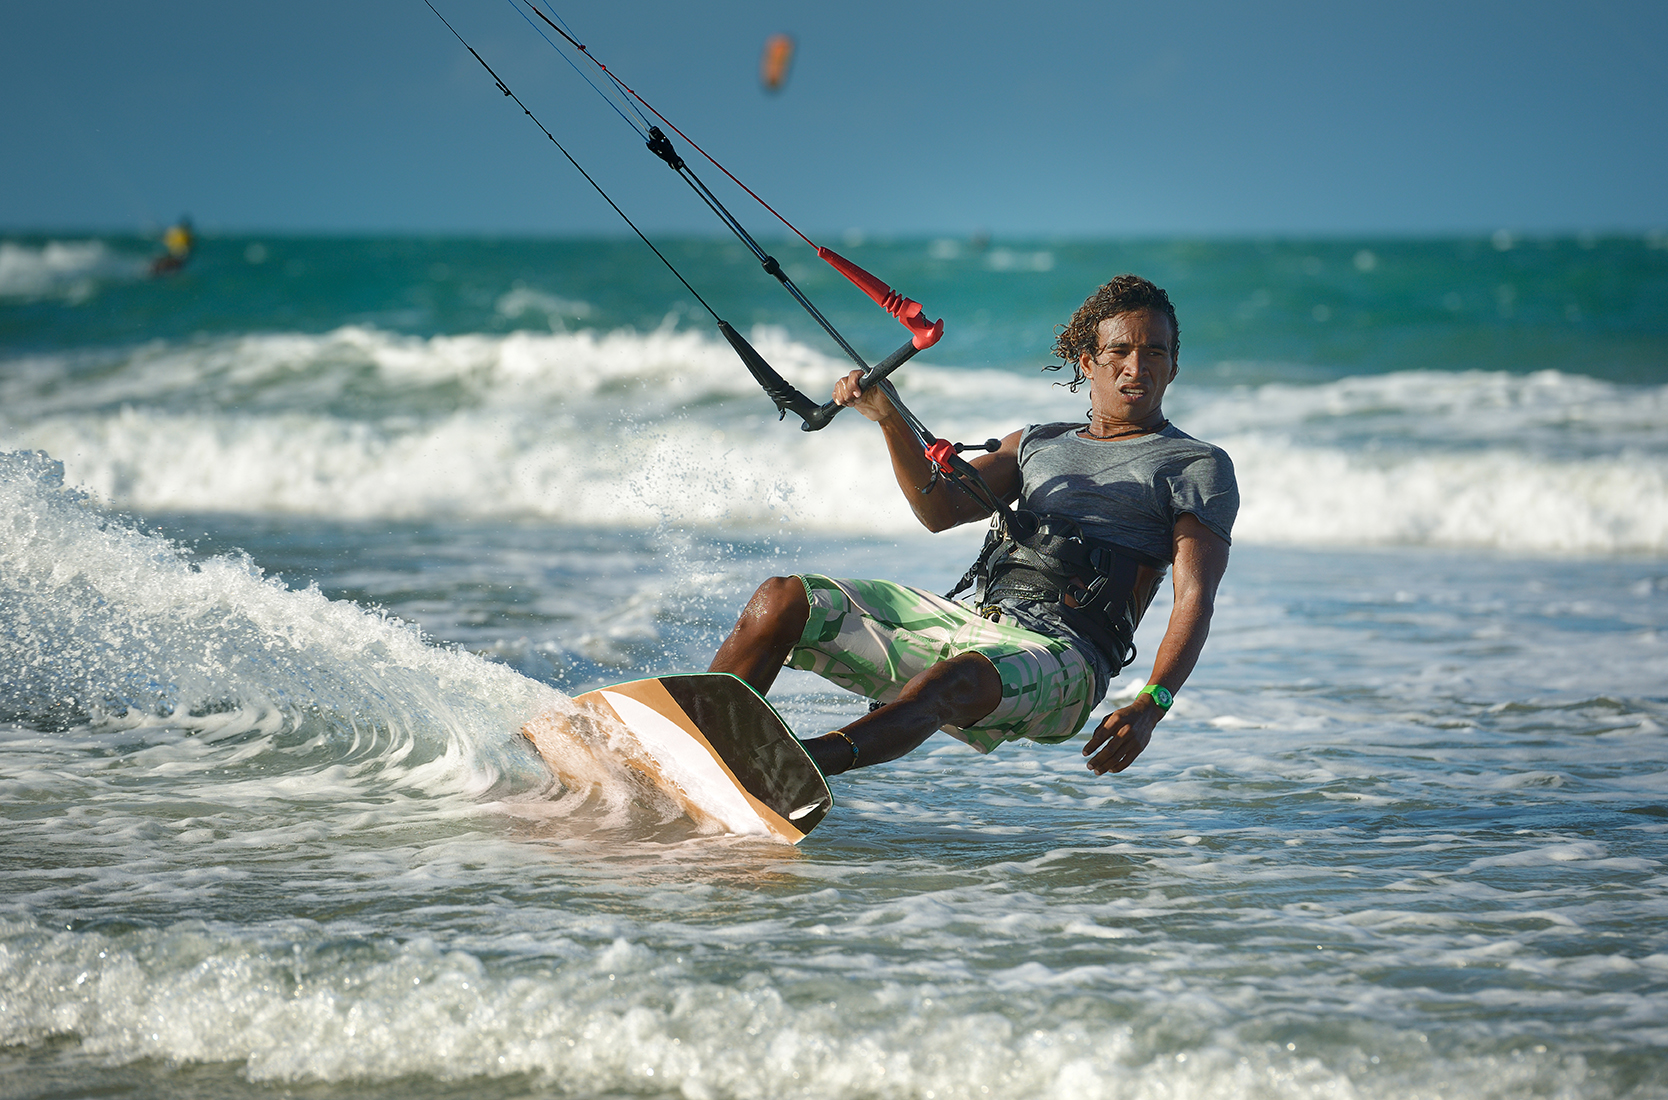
(819, 418)
(779, 389)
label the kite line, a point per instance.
(944, 455)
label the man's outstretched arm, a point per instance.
(946, 505)
(1201, 557)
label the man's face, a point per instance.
(1136, 361)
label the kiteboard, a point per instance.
(708, 740)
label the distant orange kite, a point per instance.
(775, 62)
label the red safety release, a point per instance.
(940, 453)
(904, 309)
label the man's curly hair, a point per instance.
(1124, 294)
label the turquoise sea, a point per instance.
(293, 542)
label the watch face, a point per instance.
(1162, 696)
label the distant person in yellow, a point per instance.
(179, 240)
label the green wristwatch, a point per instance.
(1161, 695)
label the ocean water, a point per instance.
(292, 543)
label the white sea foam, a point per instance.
(247, 692)
(61, 269)
(638, 429)
(631, 1017)
(1496, 498)
(108, 624)
(522, 300)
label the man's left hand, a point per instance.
(1122, 735)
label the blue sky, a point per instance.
(1032, 119)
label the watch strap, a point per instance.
(1161, 695)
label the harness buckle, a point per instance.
(1084, 595)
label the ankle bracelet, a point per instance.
(842, 735)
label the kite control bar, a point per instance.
(788, 397)
(906, 310)
(825, 412)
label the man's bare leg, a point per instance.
(956, 692)
(768, 629)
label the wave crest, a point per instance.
(637, 429)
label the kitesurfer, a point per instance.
(1104, 508)
(179, 240)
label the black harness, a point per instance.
(1044, 558)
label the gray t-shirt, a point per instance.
(1124, 491)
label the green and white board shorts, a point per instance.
(873, 637)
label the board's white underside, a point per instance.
(687, 764)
